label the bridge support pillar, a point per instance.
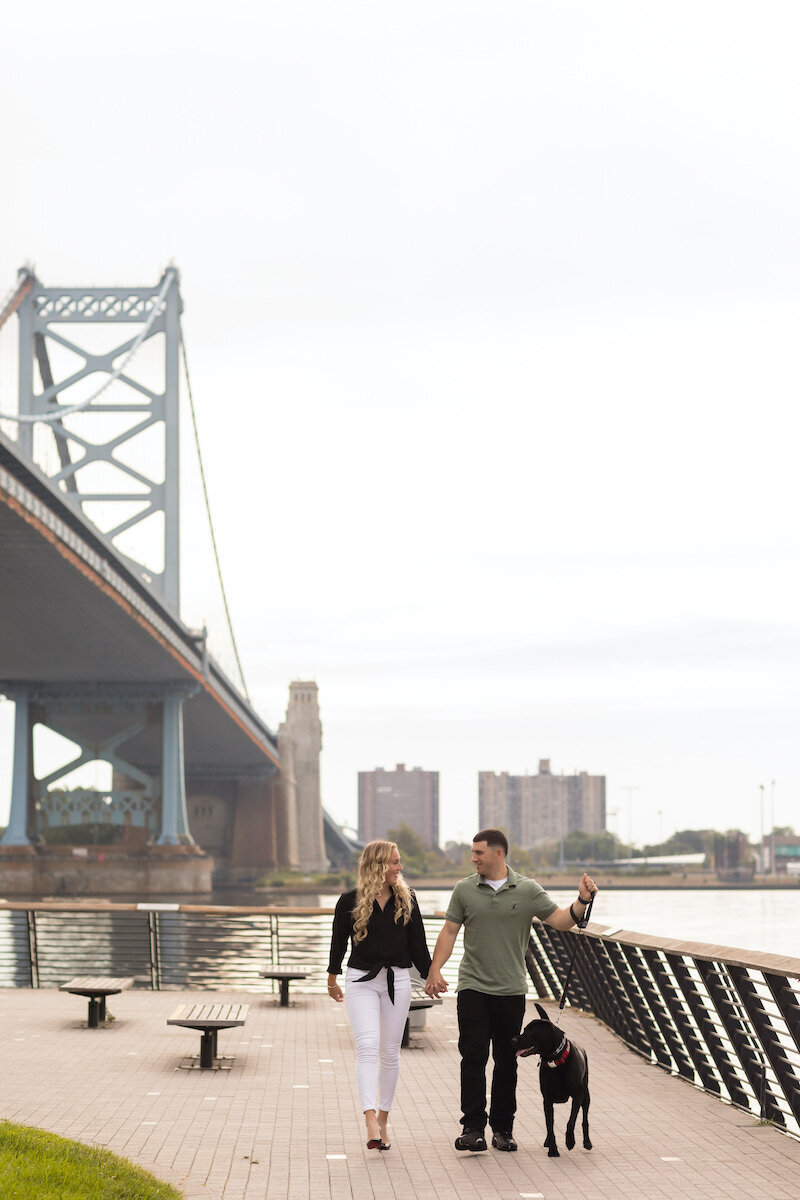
(19, 821)
(174, 821)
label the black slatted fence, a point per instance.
(726, 1020)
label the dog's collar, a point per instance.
(561, 1054)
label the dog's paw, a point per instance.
(553, 1152)
(570, 1140)
(587, 1145)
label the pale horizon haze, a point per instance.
(491, 314)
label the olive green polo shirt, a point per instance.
(496, 931)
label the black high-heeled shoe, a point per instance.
(377, 1144)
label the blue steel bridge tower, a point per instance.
(84, 407)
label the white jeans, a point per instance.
(377, 1026)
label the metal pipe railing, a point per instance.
(727, 1020)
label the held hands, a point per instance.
(435, 984)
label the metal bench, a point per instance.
(209, 1018)
(96, 988)
(284, 975)
(419, 1002)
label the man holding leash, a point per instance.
(496, 907)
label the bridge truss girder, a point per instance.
(160, 799)
(65, 573)
(43, 315)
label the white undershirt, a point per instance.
(496, 883)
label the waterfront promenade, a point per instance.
(283, 1122)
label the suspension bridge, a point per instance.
(92, 643)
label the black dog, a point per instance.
(563, 1075)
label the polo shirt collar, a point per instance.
(511, 881)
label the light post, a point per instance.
(772, 867)
(613, 813)
(630, 788)
(761, 790)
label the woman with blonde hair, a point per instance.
(381, 918)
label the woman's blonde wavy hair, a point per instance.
(375, 858)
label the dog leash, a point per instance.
(584, 921)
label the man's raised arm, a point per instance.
(565, 918)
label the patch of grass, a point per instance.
(303, 881)
(40, 1166)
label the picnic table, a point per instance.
(284, 975)
(96, 988)
(209, 1019)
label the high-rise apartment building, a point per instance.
(387, 799)
(543, 807)
(586, 802)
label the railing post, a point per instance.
(33, 950)
(155, 960)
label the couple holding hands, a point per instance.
(380, 917)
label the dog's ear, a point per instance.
(542, 1012)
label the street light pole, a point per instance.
(628, 788)
(761, 790)
(612, 814)
(772, 868)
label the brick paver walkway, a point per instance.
(283, 1122)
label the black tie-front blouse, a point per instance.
(387, 944)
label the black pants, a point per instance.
(485, 1019)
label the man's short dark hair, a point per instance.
(493, 837)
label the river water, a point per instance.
(750, 919)
(765, 919)
(228, 950)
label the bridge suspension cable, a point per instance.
(63, 411)
(25, 281)
(208, 514)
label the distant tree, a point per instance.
(412, 849)
(544, 855)
(521, 860)
(589, 847)
(459, 852)
(691, 841)
(94, 834)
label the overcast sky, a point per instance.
(492, 320)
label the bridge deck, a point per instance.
(268, 1127)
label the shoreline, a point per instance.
(564, 882)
